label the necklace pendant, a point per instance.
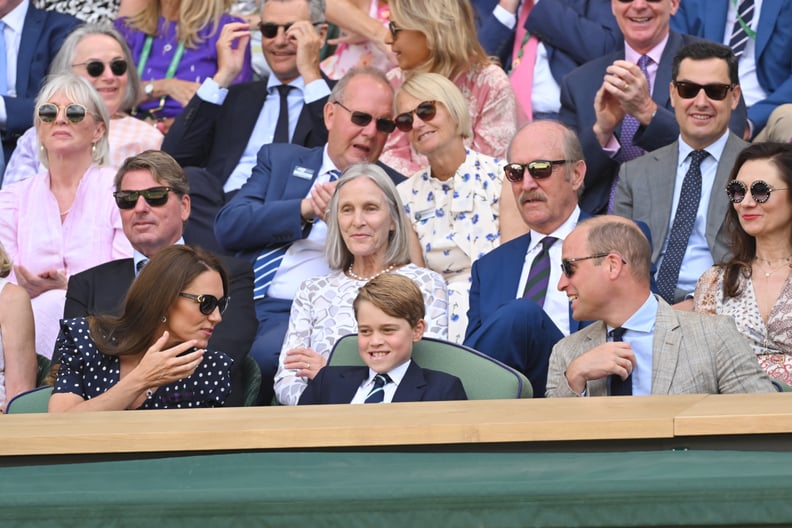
(767, 274)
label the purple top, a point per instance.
(196, 64)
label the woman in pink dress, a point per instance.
(64, 219)
(440, 37)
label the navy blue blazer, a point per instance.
(577, 111)
(266, 210)
(573, 32)
(339, 385)
(773, 54)
(42, 36)
(215, 136)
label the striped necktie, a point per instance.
(377, 394)
(741, 31)
(619, 387)
(539, 276)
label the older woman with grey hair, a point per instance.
(64, 219)
(98, 54)
(367, 235)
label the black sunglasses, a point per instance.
(426, 110)
(569, 270)
(760, 191)
(715, 91)
(270, 30)
(155, 197)
(362, 119)
(96, 68)
(394, 29)
(48, 112)
(539, 169)
(207, 303)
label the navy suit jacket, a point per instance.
(42, 36)
(339, 385)
(707, 19)
(266, 210)
(572, 31)
(215, 136)
(577, 111)
(101, 290)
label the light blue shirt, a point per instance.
(640, 334)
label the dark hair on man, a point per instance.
(162, 167)
(703, 50)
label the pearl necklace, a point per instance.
(355, 276)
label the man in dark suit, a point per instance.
(763, 52)
(276, 219)
(629, 112)
(217, 136)
(152, 226)
(31, 40)
(653, 188)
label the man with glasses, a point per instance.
(677, 190)
(619, 103)
(152, 195)
(217, 136)
(639, 345)
(276, 219)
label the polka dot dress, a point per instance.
(88, 373)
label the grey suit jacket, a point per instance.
(692, 353)
(645, 192)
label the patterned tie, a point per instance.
(3, 63)
(539, 276)
(682, 227)
(741, 31)
(377, 394)
(619, 387)
(268, 261)
(282, 126)
(524, 61)
(139, 266)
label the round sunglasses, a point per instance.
(362, 119)
(48, 112)
(270, 30)
(96, 68)
(539, 169)
(760, 191)
(425, 111)
(207, 303)
(154, 196)
(715, 91)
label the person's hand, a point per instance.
(160, 366)
(308, 41)
(612, 358)
(179, 90)
(626, 82)
(609, 114)
(35, 285)
(304, 361)
(315, 205)
(347, 38)
(231, 47)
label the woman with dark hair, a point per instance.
(152, 356)
(368, 235)
(754, 287)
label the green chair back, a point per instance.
(251, 380)
(32, 401)
(484, 378)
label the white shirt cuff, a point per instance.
(211, 92)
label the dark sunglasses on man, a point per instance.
(760, 191)
(96, 68)
(207, 303)
(426, 111)
(362, 119)
(270, 30)
(48, 112)
(154, 196)
(715, 91)
(538, 169)
(569, 269)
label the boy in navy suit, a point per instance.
(389, 310)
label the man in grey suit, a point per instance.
(639, 345)
(679, 196)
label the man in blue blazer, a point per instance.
(42, 33)
(217, 136)
(765, 66)
(286, 197)
(595, 108)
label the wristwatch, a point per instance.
(149, 89)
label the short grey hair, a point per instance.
(79, 91)
(316, 9)
(62, 63)
(338, 90)
(338, 255)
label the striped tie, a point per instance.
(742, 30)
(377, 394)
(539, 276)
